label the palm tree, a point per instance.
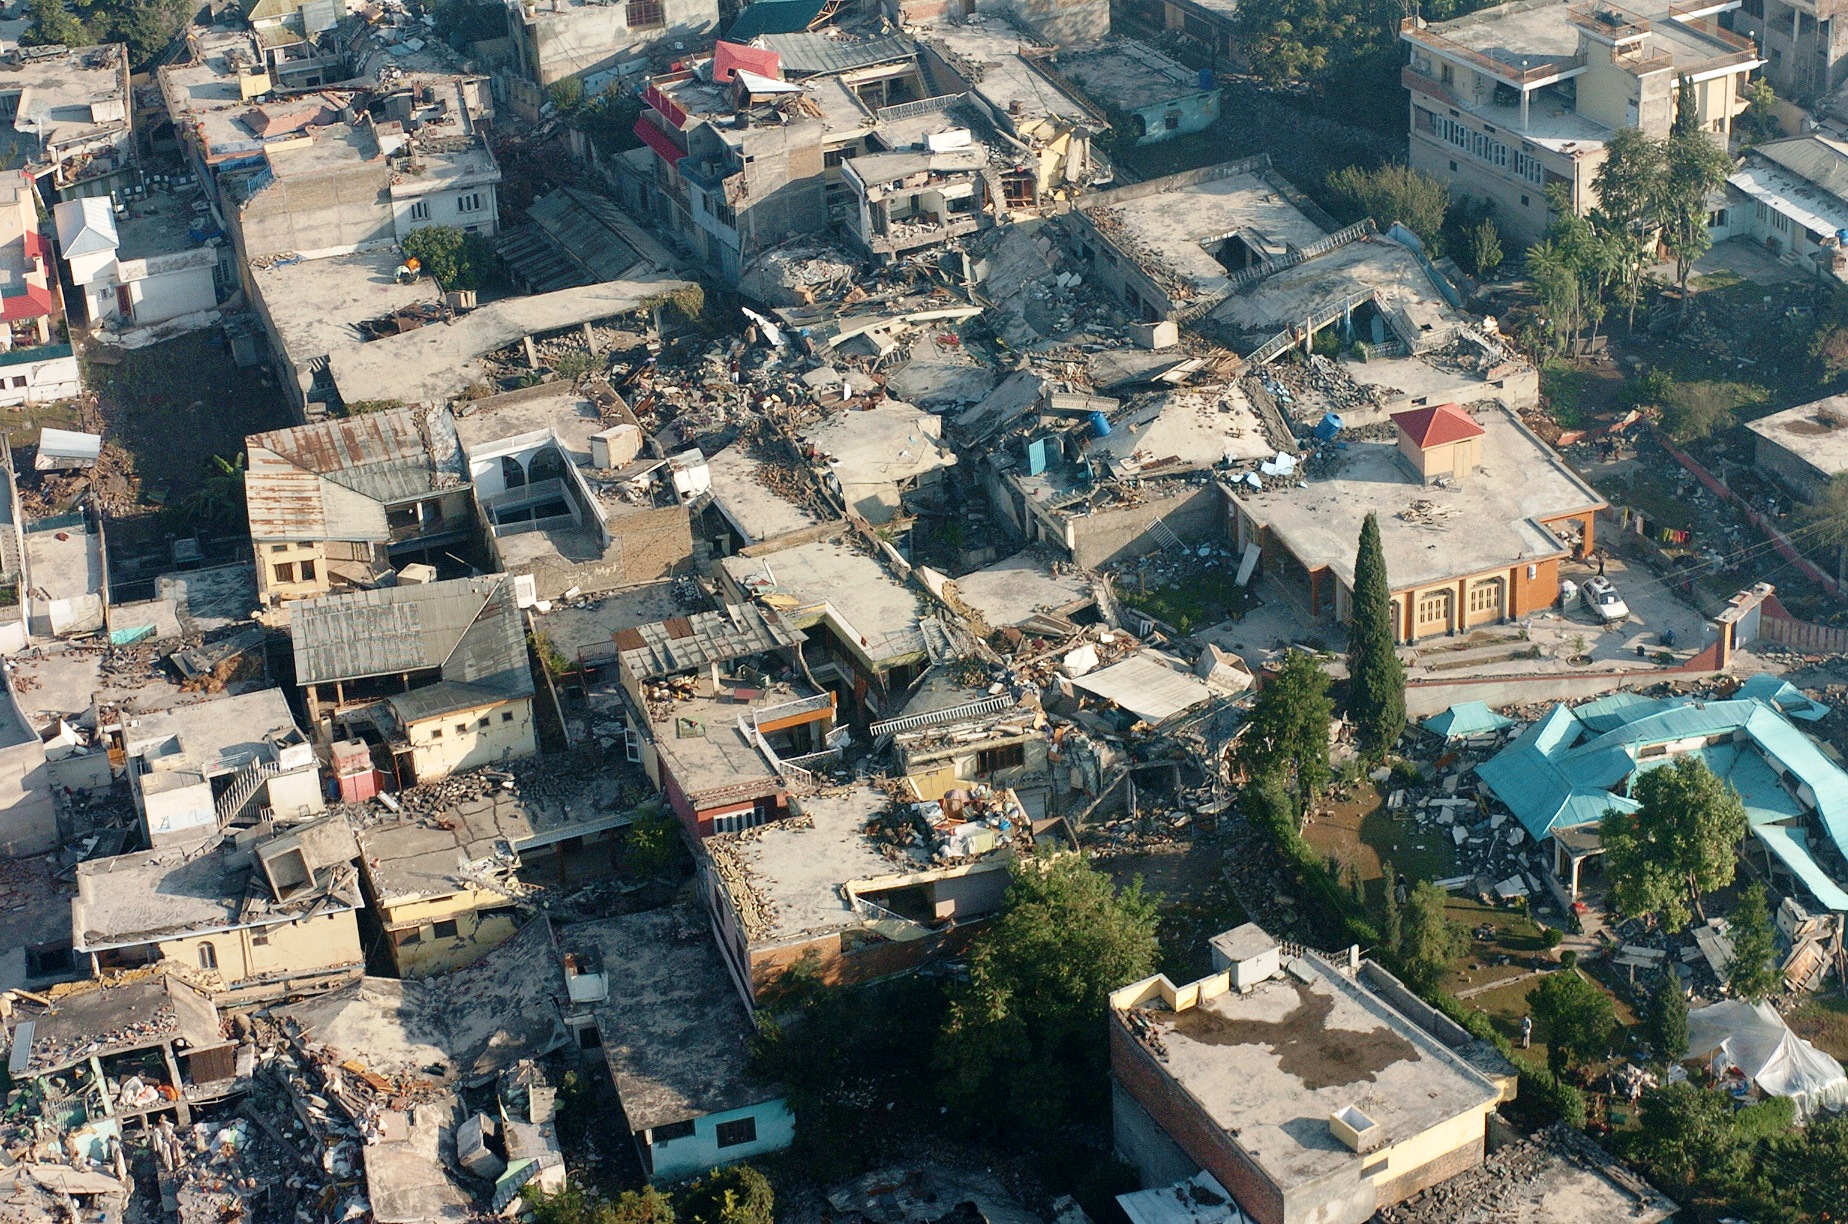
(220, 499)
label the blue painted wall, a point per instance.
(676, 1159)
(1195, 112)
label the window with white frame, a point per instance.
(420, 210)
(469, 203)
(1528, 167)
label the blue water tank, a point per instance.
(1100, 425)
(1206, 80)
(1330, 426)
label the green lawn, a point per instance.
(1822, 1020)
(1202, 600)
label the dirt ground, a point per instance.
(1822, 1020)
(174, 405)
(1359, 832)
(1195, 901)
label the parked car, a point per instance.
(1603, 601)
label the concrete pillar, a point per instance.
(1524, 99)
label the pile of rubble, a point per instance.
(1518, 1178)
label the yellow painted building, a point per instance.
(296, 932)
(444, 892)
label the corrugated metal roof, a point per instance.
(468, 627)
(1466, 718)
(1792, 849)
(1823, 162)
(684, 643)
(806, 54)
(1551, 778)
(332, 480)
(1147, 689)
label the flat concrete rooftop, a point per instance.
(65, 679)
(413, 860)
(1816, 433)
(703, 746)
(828, 579)
(794, 868)
(66, 563)
(1017, 588)
(1377, 263)
(1479, 523)
(1530, 31)
(1006, 81)
(748, 502)
(675, 1033)
(567, 414)
(1128, 75)
(1175, 229)
(211, 737)
(590, 629)
(316, 303)
(1178, 430)
(436, 363)
(1269, 1067)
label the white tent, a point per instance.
(1754, 1038)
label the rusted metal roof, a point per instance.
(684, 643)
(333, 480)
(467, 627)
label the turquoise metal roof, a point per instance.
(1790, 847)
(1553, 777)
(774, 17)
(1465, 719)
(1600, 714)
(1787, 697)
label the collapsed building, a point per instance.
(861, 882)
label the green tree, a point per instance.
(1681, 843)
(1376, 676)
(1696, 166)
(847, 1060)
(1576, 1017)
(1629, 186)
(736, 1194)
(1555, 279)
(1395, 192)
(1665, 1020)
(1760, 123)
(1392, 919)
(1753, 974)
(52, 23)
(572, 1205)
(1287, 733)
(220, 499)
(1290, 40)
(1685, 1130)
(1025, 1044)
(456, 258)
(1429, 941)
(655, 844)
(1485, 248)
(147, 26)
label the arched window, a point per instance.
(512, 474)
(548, 464)
(208, 956)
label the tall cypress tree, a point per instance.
(1376, 677)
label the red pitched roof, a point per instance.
(1428, 427)
(31, 302)
(727, 57)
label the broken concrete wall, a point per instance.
(28, 817)
(334, 212)
(1196, 515)
(577, 40)
(1069, 23)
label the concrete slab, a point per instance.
(1015, 589)
(65, 564)
(437, 363)
(749, 502)
(1185, 429)
(313, 305)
